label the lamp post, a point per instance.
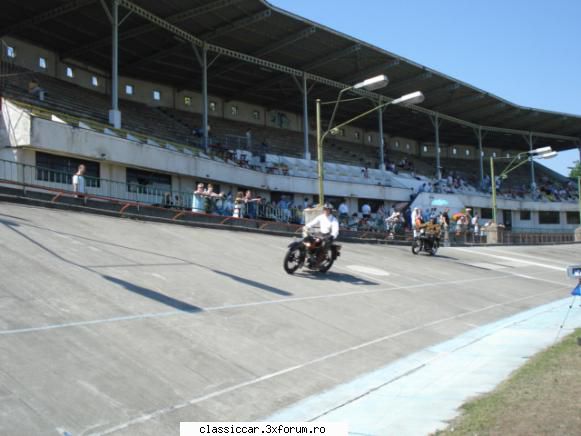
(369, 84)
(542, 153)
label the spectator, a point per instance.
(228, 205)
(343, 213)
(365, 172)
(35, 89)
(366, 211)
(250, 203)
(210, 205)
(476, 227)
(417, 212)
(79, 181)
(199, 199)
(239, 205)
(167, 201)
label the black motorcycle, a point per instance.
(426, 242)
(310, 252)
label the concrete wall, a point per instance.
(119, 153)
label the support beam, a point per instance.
(114, 113)
(277, 45)
(146, 28)
(305, 67)
(45, 16)
(437, 122)
(220, 31)
(381, 141)
(370, 72)
(306, 118)
(205, 95)
(494, 107)
(531, 143)
(406, 82)
(480, 152)
(459, 101)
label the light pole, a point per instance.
(542, 153)
(369, 84)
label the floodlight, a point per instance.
(412, 98)
(549, 155)
(373, 83)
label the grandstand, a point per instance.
(258, 82)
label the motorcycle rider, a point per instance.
(328, 227)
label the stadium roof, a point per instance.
(259, 54)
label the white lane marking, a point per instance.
(368, 270)
(256, 380)
(526, 262)
(281, 300)
(158, 276)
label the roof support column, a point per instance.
(381, 141)
(114, 113)
(205, 95)
(480, 137)
(530, 140)
(306, 118)
(437, 122)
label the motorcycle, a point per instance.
(308, 252)
(426, 242)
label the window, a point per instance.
(549, 217)
(129, 89)
(396, 144)
(156, 95)
(507, 154)
(486, 213)
(70, 72)
(467, 152)
(60, 169)
(425, 148)
(572, 217)
(256, 115)
(234, 111)
(94, 81)
(494, 154)
(525, 215)
(369, 139)
(10, 52)
(407, 146)
(212, 106)
(142, 182)
(341, 132)
(454, 151)
(188, 100)
(357, 135)
(42, 62)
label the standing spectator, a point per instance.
(476, 226)
(239, 205)
(210, 205)
(365, 171)
(366, 211)
(417, 212)
(79, 181)
(199, 199)
(250, 203)
(343, 213)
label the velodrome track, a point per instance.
(111, 326)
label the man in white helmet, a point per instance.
(328, 227)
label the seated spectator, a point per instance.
(366, 211)
(35, 89)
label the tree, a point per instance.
(575, 169)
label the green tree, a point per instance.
(575, 169)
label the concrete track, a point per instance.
(112, 326)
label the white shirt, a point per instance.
(366, 209)
(343, 209)
(79, 182)
(327, 224)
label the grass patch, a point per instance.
(543, 397)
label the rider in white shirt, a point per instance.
(327, 223)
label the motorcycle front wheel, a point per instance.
(416, 246)
(293, 260)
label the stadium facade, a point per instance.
(252, 71)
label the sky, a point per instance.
(525, 51)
